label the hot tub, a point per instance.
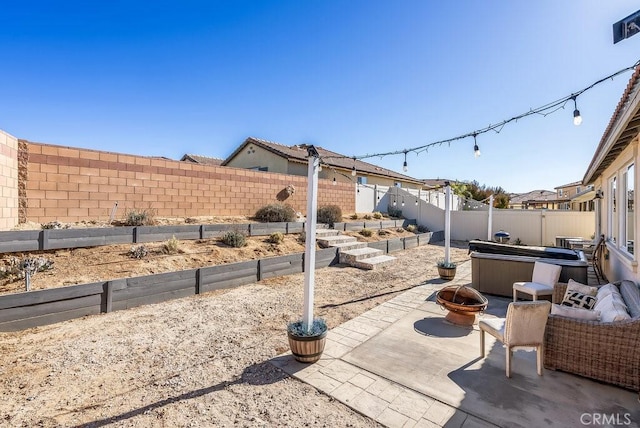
(495, 267)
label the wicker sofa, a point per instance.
(605, 351)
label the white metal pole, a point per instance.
(489, 226)
(447, 222)
(310, 241)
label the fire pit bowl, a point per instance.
(462, 302)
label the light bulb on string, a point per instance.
(405, 167)
(334, 181)
(577, 119)
(320, 167)
(402, 202)
(416, 201)
(476, 149)
(353, 170)
(394, 203)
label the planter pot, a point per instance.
(447, 273)
(307, 349)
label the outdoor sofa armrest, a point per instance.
(558, 292)
(609, 352)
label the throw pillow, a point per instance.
(578, 300)
(577, 313)
(606, 290)
(614, 312)
(582, 288)
(631, 294)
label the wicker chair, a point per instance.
(608, 352)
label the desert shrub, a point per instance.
(234, 238)
(383, 232)
(366, 232)
(329, 214)
(395, 212)
(399, 229)
(15, 267)
(367, 217)
(276, 213)
(411, 228)
(353, 216)
(422, 229)
(172, 246)
(377, 215)
(138, 252)
(276, 238)
(54, 225)
(139, 218)
(302, 237)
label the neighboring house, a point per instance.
(612, 173)
(264, 155)
(535, 200)
(575, 196)
(204, 160)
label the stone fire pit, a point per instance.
(462, 302)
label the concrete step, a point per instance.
(374, 262)
(329, 241)
(321, 233)
(359, 254)
(345, 246)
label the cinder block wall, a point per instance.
(70, 184)
(8, 180)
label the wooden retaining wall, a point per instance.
(29, 309)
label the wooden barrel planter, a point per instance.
(447, 273)
(307, 349)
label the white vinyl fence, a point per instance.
(530, 227)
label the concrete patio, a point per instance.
(403, 365)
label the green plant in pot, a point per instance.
(446, 269)
(307, 341)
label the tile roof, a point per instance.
(205, 160)
(611, 145)
(298, 153)
(534, 196)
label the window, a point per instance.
(628, 216)
(613, 216)
(559, 193)
(362, 180)
(577, 189)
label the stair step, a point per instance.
(346, 246)
(358, 254)
(321, 233)
(374, 262)
(329, 241)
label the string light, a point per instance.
(319, 167)
(416, 201)
(544, 110)
(476, 149)
(353, 170)
(405, 167)
(334, 181)
(402, 204)
(577, 119)
(394, 202)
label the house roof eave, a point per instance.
(622, 129)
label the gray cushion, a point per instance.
(631, 295)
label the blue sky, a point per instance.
(353, 76)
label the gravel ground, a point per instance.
(200, 361)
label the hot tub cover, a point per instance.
(523, 250)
